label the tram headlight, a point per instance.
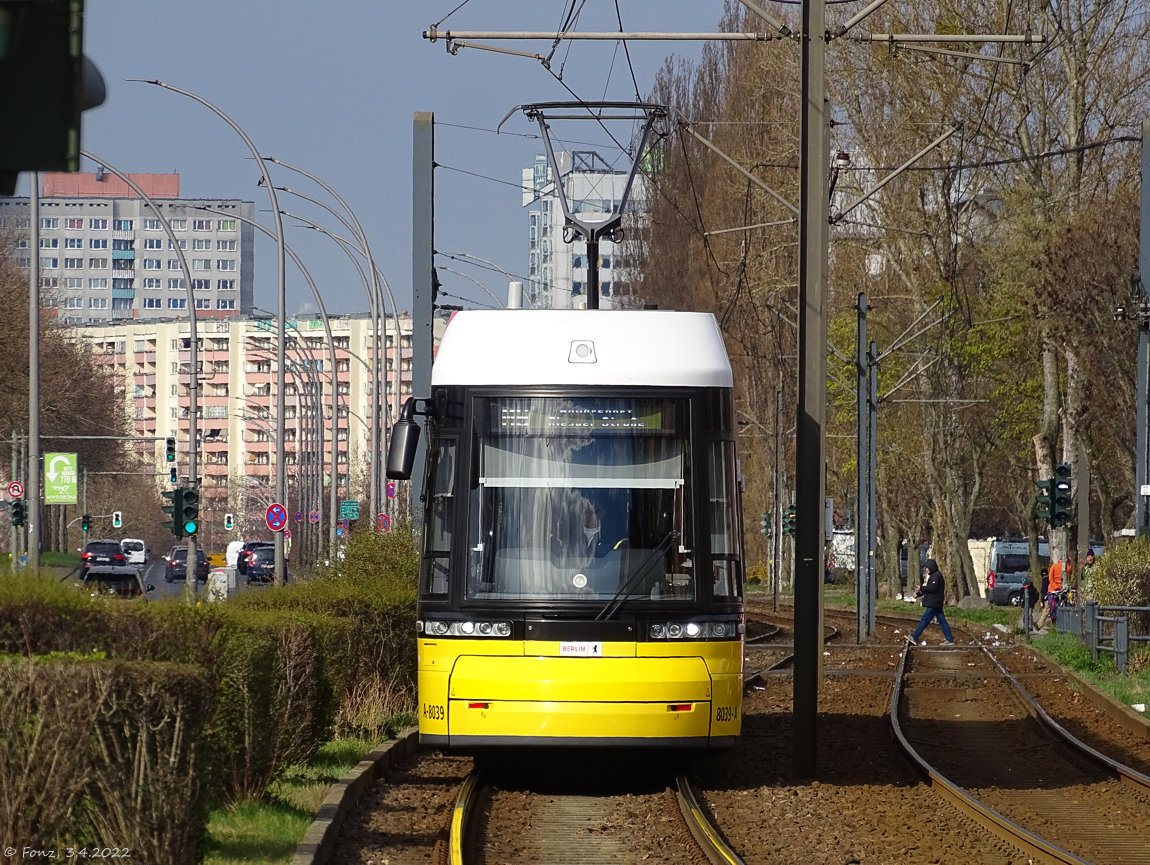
(439, 628)
(657, 631)
(485, 629)
(726, 629)
(693, 630)
(674, 630)
(467, 627)
(503, 629)
(436, 629)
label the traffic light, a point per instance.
(172, 474)
(764, 524)
(117, 519)
(190, 511)
(171, 451)
(45, 82)
(86, 522)
(175, 525)
(1043, 502)
(1063, 502)
(229, 522)
(789, 520)
(18, 513)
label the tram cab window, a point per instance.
(577, 499)
(441, 515)
(722, 493)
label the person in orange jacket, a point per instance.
(1054, 586)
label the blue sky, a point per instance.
(333, 87)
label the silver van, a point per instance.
(1009, 567)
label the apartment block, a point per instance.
(236, 416)
(104, 255)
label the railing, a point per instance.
(1099, 632)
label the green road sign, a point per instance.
(60, 474)
(349, 510)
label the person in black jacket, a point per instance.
(933, 592)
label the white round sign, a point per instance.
(15, 489)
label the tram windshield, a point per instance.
(580, 498)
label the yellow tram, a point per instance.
(581, 580)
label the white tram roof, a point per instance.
(657, 348)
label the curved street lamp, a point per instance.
(281, 267)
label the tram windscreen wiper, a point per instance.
(617, 601)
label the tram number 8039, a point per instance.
(725, 713)
(434, 713)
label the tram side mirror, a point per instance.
(404, 441)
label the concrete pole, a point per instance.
(862, 491)
(423, 280)
(1142, 404)
(32, 487)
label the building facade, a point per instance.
(236, 417)
(558, 269)
(104, 255)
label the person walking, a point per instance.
(1086, 578)
(933, 592)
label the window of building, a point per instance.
(226, 245)
(226, 284)
(49, 243)
(121, 304)
(123, 264)
(24, 262)
(153, 282)
(225, 303)
(98, 224)
(49, 282)
(74, 222)
(153, 243)
(97, 303)
(177, 303)
(97, 243)
(203, 303)
(201, 225)
(225, 264)
(122, 283)
(73, 263)
(152, 264)
(120, 243)
(73, 303)
(174, 284)
(201, 264)
(101, 282)
(49, 263)
(153, 224)
(202, 243)
(122, 224)
(174, 264)
(153, 303)
(226, 225)
(49, 222)
(178, 224)
(73, 282)
(183, 244)
(22, 243)
(201, 285)
(73, 243)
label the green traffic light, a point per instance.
(189, 528)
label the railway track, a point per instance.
(992, 752)
(579, 822)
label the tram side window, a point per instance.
(721, 487)
(441, 517)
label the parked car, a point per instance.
(177, 568)
(135, 551)
(1009, 566)
(243, 555)
(100, 552)
(121, 581)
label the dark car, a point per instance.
(177, 567)
(121, 581)
(102, 552)
(259, 565)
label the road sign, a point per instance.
(391, 491)
(313, 517)
(349, 510)
(60, 474)
(276, 517)
(287, 534)
(15, 489)
(339, 530)
(298, 516)
(382, 523)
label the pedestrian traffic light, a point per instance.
(1063, 501)
(190, 511)
(1043, 501)
(175, 525)
(764, 524)
(171, 450)
(86, 522)
(172, 474)
(18, 513)
(229, 522)
(789, 520)
(117, 519)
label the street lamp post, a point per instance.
(282, 298)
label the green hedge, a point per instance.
(98, 753)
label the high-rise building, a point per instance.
(104, 255)
(558, 269)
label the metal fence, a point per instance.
(1098, 628)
